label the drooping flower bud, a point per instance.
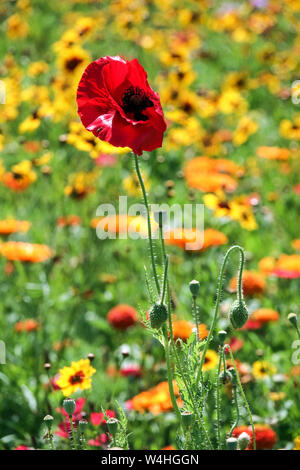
(225, 376)
(222, 336)
(194, 288)
(69, 406)
(243, 440)
(231, 443)
(293, 319)
(187, 418)
(238, 314)
(48, 421)
(158, 315)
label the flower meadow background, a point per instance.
(71, 304)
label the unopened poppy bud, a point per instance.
(158, 315)
(69, 406)
(47, 365)
(293, 319)
(194, 288)
(231, 443)
(243, 441)
(222, 336)
(113, 424)
(187, 418)
(48, 421)
(125, 350)
(238, 314)
(91, 356)
(225, 376)
(83, 424)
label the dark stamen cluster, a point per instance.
(135, 101)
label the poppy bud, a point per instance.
(225, 376)
(48, 421)
(243, 440)
(194, 288)
(187, 418)
(158, 315)
(293, 319)
(69, 406)
(91, 356)
(238, 314)
(83, 424)
(113, 425)
(221, 336)
(231, 443)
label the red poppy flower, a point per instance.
(116, 103)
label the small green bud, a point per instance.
(158, 315)
(231, 443)
(113, 425)
(293, 319)
(194, 288)
(243, 440)
(225, 376)
(83, 424)
(69, 406)
(222, 336)
(238, 314)
(48, 421)
(187, 418)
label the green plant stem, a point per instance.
(163, 249)
(235, 398)
(73, 439)
(169, 372)
(243, 394)
(218, 401)
(137, 167)
(195, 314)
(219, 293)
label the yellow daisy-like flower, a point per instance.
(77, 376)
(211, 360)
(263, 369)
(132, 186)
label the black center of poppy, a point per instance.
(135, 101)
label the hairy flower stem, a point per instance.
(195, 314)
(219, 293)
(72, 435)
(235, 399)
(218, 405)
(140, 178)
(169, 372)
(227, 347)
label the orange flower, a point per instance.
(26, 325)
(156, 400)
(212, 174)
(273, 153)
(193, 240)
(69, 220)
(267, 264)
(9, 226)
(264, 435)
(265, 315)
(183, 329)
(122, 316)
(21, 251)
(253, 283)
(296, 244)
(288, 266)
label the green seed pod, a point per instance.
(231, 443)
(238, 314)
(113, 424)
(293, 319)
(83, 424)
(194, 288)
(243, 441)
(222, 336)
(48, 421)
(187, 418)
(158, 315)
(69, 406)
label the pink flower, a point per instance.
(106, 159)
(98, 418)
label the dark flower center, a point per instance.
(77, 378)
(135, 101)
(72, 63)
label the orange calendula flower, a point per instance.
(26, 325)
(194, 240)
(265, 315)
(267, 264)
(287, 266)
(253, 283)
(273, 153)
(21, 251)
(69, 220)
(77, 376)
(183, 329)
(123, 223)
(9, 226)
(20, 177)
(156, 400)
(296, 244)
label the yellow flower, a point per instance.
(245, 128)
(30, 124)
(16, 27)
(297, 443)
(77, 376)
(132, 186)
(263, 369)
(211, 360)
(231, 101)
(36, 68)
